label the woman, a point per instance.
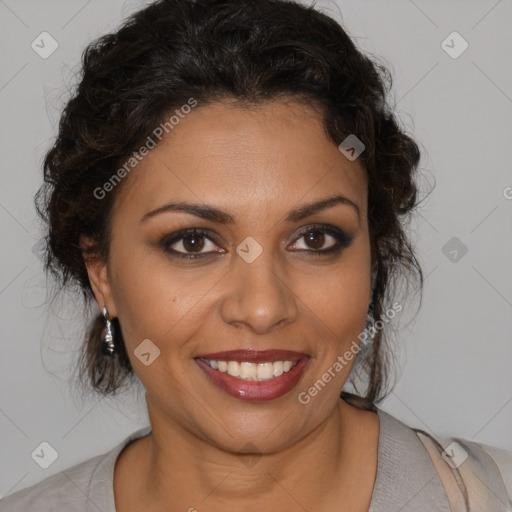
(229, 185)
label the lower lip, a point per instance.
(255, 390)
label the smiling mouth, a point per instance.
(249, 374)
(248, 371)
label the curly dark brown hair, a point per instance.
(250, 51)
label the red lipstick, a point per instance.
(252, 389)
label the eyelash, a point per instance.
(342, 240)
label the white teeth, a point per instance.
(278, 368)
(252, 371)
(265, 371)
(234, 368)
(247, 370)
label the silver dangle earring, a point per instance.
(108, 342)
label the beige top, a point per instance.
(407, 479)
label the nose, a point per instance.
(258, 296)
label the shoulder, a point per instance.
(474, 476)
(69, 489)
(502, 459)
(87, 486)
(406, 479)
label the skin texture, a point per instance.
(256, 164)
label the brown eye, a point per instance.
(191, 243)
(313, 240)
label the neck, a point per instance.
(190, 473)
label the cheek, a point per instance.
(339, 297)
(336, 308)
(155, 300)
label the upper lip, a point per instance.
(254, 356)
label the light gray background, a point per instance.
(457, 352)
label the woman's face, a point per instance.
(251, 280)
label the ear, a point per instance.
(98, 277)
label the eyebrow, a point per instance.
(221, 217)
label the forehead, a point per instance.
(244, 159)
